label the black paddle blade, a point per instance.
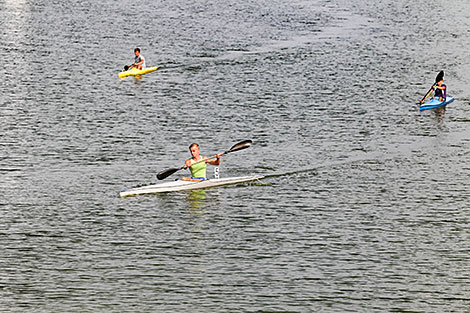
(165, 173)
(440, 76)
(241, 145)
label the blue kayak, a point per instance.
(435, 103)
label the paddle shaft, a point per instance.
(164, 174)
(427, 94)
(237, 147)
(203, 160)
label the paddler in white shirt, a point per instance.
(198, 171)
(139, 61)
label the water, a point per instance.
(365, 208)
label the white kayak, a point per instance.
(180, 185)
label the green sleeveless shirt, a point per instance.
(198, 170)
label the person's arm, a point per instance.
(428, 94)
(187, 164)
(140, 64)
(215, 162)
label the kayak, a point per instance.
(180, 185)
(435, 103)
(133, 71)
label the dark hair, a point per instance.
(192, 145)
(137, 49)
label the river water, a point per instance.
(365, 205)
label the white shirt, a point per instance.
(138, 59)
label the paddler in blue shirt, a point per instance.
(139, 61)
(198, 171)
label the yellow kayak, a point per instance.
(133, 71)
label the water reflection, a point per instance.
(16, 19)
(440, 111)
(196, 200)
(439, 118)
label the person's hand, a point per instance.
(187, 164)
(218, 155)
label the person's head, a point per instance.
(439, 83)
(137, 51)
(194, 149)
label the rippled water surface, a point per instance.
(365, 204)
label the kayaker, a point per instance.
(198, 171)
(440, 91)
(139, 61)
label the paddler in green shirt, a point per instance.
(198, 171)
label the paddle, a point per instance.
(237, 147)
(128, 67)
(439, 77)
